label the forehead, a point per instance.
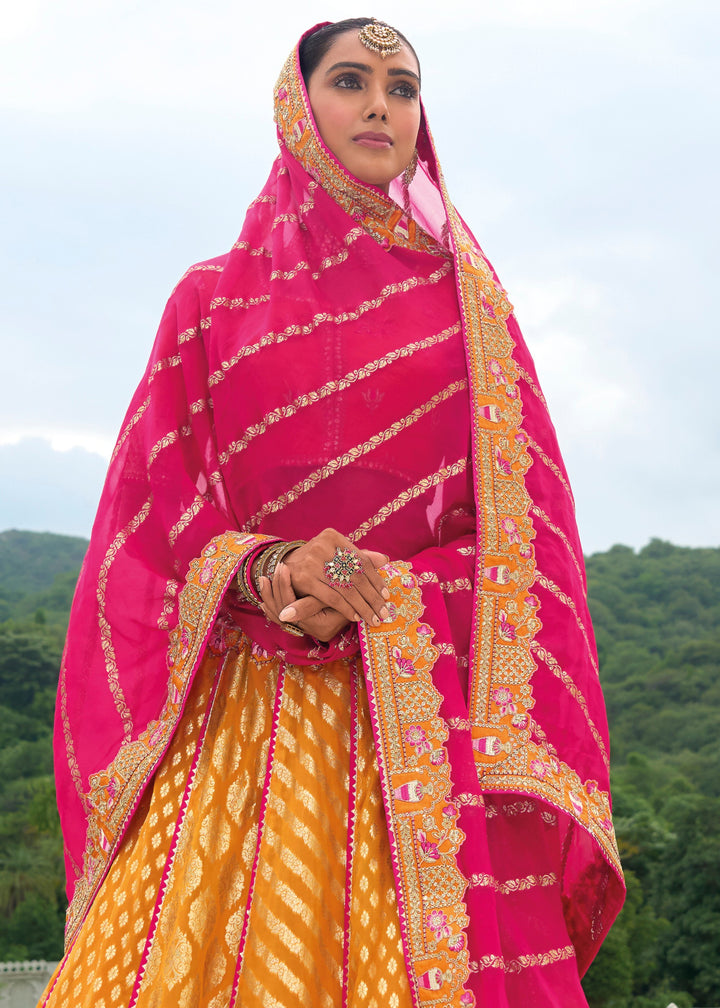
(348, 48)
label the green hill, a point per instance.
(38, 571)
(657, 620)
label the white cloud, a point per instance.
(60, 440)
(49, 491)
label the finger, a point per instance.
(325, 625)
(367, 585)
(266, 594)
(302, 610)
(371, 562)
(376, 559)
(283, 592)
(349, 602)
(363, 598)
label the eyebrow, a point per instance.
(366, 68)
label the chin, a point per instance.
(379, 179)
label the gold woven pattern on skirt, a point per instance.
(216, 900)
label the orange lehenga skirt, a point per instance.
(195, 914)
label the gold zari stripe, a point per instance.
(330, 388)
(322, 317)
(311, 481)
(408, 495)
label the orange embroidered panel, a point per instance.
(422, 821)
(510, 749)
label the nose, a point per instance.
(377, 104)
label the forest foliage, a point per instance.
(657, 620)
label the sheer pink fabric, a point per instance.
(317, 375)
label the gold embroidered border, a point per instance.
(331, 387)
(537, 772)
(340, 461)
(427, 483)
(415, 776)
(507, 620)
(115, 791)
(381, 217)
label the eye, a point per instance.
(405, 90)
(347, 80)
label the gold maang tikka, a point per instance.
(380, 38)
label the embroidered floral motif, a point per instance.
(416, 737)
(422, 819)
(437, 922)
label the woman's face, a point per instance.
(367, 109)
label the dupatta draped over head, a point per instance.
(353, 360)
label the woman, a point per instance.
(370, 768)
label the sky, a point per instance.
(579, 139)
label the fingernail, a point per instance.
(356, 617)
(384, 612)
(288, 614)
(375, 621)
(385, 593)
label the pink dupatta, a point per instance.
(350, 364)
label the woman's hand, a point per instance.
(302, 593)
(315, 588)
(277, 595)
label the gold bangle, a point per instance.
(292, 629)
(243, 585)
(272, 556)
(279, 555)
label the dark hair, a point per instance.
(315, 46)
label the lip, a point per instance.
(375, 141)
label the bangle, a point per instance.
(270, 558)
(292, 629)
(244, 586)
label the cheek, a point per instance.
(332, 121)
(411, 125)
